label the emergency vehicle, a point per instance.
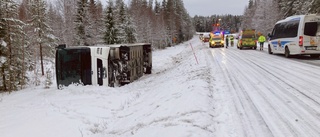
(247, 39)
(216, 39)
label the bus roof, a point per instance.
(106, 45)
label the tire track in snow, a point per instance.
(312, 97)
(251, 89)
(242, 101)
(254, 66)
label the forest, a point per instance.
(229, 23)
(31, 29)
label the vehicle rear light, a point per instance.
(301, 41)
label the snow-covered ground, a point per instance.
(216, 93)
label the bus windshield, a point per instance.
(73, 66)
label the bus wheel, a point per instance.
(269, 49)
(287, 52)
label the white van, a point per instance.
(296, 35)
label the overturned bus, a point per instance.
(104, 65)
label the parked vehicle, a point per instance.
(201, 37)
(206, 37)
(247, 39)
(296, 35)
(216, 40)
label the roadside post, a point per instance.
(195, 56)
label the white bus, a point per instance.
(104, 65)
(296, 35)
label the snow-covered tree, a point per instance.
(110, 33)
(130, 29)
(11, 44)
(294, 7)
(56, 23)
(67, 10)
(42, 34)
(95, 22)
(247, 20)
(48, 81)
(120, 16)
(315, 6)
(82, 23)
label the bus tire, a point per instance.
(287, 52)
(148, 70)
(269, 50)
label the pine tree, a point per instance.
(110, 33)
(82, 23)
(56, 23)
(120, 15)
(42, 33)
(11, 38)
(94, 22)
(130, 30)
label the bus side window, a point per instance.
(99, 72)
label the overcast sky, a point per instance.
(211, 7)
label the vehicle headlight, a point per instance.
(212, 42)
(222, 41)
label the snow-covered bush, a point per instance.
(48, 81)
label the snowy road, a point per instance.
(273, 96)
(228, 93)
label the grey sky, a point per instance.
(211, 7)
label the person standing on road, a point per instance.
(227, 41)
(232, 40)
(261, 40)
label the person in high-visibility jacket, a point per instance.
(261, 40)
(231, 40)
